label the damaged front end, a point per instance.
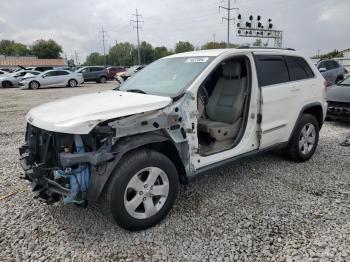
(60, 165)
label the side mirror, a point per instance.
(43, 76)
(322, 69)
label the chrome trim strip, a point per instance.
(274, 128)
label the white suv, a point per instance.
(128, 149)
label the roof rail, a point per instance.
(263, 47)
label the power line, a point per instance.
(228, 18)
(104, 34)
(137, 22)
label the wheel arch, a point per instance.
(34, 81)
(70, 79)
(127, 145)
(7, 81)
(314, 109)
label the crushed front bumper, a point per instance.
(58, 165)
(40, 177)
(338, 110)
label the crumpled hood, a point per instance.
(338, 93)
(80, 114)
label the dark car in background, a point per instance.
(331, 70)
(338, 97)
(97, 74)
(112, 70)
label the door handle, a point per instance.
(295, 89)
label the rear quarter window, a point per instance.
(298, 68)
(271, 70)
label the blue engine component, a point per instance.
(78, 177)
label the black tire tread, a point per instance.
(126, 162)
(292, 149)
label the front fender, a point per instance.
(100, 174)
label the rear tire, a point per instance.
(304, 140)
(6, 84)
(34, 85)
(72, 83)
(141, 190)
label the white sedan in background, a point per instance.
(53, 78)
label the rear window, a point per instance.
(271, 70)
(95, 69)
(61, 73)
(298, 68)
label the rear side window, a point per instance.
(333, 64)
(271, 70)
(96, 69)
(298, 68)
(61, 73)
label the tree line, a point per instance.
(40, 48)
(125, 53)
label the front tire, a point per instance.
(141, 191)
(304, 140)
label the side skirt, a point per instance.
(203, 170)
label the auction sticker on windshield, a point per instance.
(197, 60)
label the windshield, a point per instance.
(80, 70)
(167, 77)
(345, 82)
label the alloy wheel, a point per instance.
(146, 193)
(72, 83)
(307, 138)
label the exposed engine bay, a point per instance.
(59, 164)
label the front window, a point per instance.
(168, 76)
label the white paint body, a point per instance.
(279, 105)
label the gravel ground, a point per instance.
(261, 209)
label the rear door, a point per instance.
(62, 78)
(278, 99)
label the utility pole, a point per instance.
(103, 32)
(76, 57)
(228, 18)
(137, 27)
(214, 36)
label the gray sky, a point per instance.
(308, 25)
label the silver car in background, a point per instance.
(53, 78)
(12, 79)
(331, 70)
